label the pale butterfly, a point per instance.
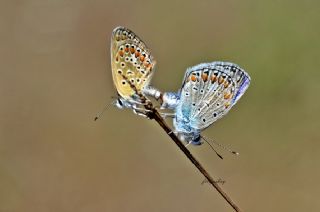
(132, 69)
(208, 92)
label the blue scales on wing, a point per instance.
(208, 92)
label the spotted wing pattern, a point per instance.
(132, 64)
(208, 92)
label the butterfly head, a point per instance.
(119, 103)
(122, 103)
(193, 138)
(185, 132)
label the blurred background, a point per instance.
(55, 76)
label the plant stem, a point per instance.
(154, 114)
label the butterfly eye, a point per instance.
(120, 102)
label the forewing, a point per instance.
(132, 63)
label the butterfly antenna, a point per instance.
(211, 146)
(104, 109)
(220, 145)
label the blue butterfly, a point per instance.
(208, 92)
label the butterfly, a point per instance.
(208, 92)
(132, 69)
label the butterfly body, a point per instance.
(208, 92)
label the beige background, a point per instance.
(55, 75)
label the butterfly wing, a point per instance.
(209, 91)
(131, 62)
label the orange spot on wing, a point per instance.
(193, 78)
(227, 104)
(204, 77)
(132, 50)
(227, 95)
(117, 58)
(220, 80)
(137, 54)
(149, 66)
(226, 84)
(126, 49)
(121, 53)
(213, 78)
(141, 58)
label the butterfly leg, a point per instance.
(140, 111)
(188, 143)
(168, 115)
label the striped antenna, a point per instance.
(219, 145)
(105, 108)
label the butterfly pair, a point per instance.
(208, 91)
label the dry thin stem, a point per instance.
(154, 114)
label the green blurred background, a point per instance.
(55, 76)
